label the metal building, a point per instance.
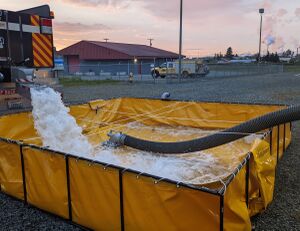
(100, 58)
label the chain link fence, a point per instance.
(223, 70)
(142, 72)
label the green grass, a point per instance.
(70, 82)
(292, 68)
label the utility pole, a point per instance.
(151, 39)
(106, 39)
(261, 11)
(180, 42)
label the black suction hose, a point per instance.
(228, 135)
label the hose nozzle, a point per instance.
(116, 139)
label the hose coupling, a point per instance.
(116, 139)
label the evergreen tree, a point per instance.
(256, 57)
(229, 53)
(288, 53)
(272, 58)
(267, 57)
(277, 60)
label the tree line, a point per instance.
(269, 57)
(273, 58)
(229, 54)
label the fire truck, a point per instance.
(26, 45)
(189, 68)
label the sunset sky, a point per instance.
(209, 26)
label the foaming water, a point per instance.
(194, 168)
(59, 131)
(191, 168)
(57, 128)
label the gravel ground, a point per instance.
(283, 88)
(282, 214)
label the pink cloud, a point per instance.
(75, 28)
(297, 12)
(167, 8)
(210, 25)
(68, 33)
(281, 12)
(268, 25)
(267, 4)
(195, 8)
(295, 42)
(280, 43)
(94, 3)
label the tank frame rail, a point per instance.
(80, 102)
(221, 192)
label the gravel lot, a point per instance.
(282, 214)
(283, 88)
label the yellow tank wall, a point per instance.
(148, 204)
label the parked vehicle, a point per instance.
(189, 68)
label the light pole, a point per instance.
(180, 42)
(261, 11)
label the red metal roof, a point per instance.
(93, 50)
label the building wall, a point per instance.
(109, 67)
(73, 63)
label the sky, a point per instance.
(209, 27)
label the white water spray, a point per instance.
(57, 128)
